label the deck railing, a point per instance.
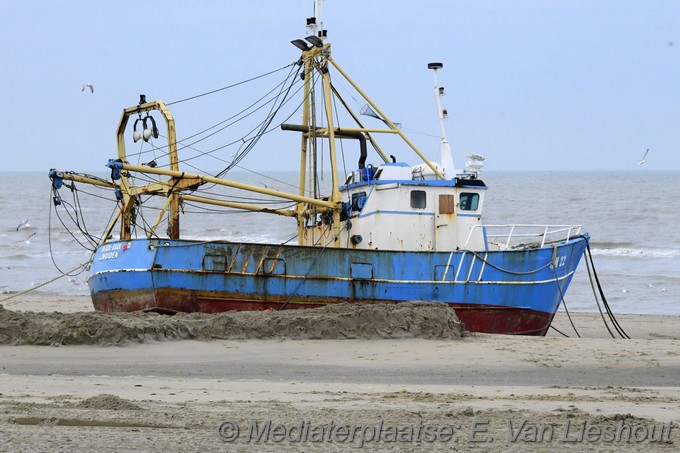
(519, 235)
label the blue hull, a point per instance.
(508, 292)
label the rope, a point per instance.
(45, 283)
(558, 331)
(506, 270)
(564, 303)
(306, 275)
(288, 240)
(597, 301)
(231, 86)
(608, 309)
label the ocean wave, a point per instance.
(24, 257)
(637, 251)
(611, 245)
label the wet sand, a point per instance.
(481, 392)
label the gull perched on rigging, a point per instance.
(644, 158)
(88, 85)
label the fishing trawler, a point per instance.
(390, 232)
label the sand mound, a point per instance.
(407, 320)
(107, 401)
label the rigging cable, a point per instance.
(304, 279)
(507, 271)
(68, 273)
(597, 300)
(239, 117)
(265, 123)
(342, 148)
(559, 331)
(92, 242)
(181, 142)
(231, 86)
(253, 140)
(564, 302)
(288, 240)
(615, 323)
(63, 274)
(262, 129)
(258, 136)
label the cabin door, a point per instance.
(445, 223)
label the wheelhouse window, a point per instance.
(418, 199)
(469, 201)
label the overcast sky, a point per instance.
(531, 84)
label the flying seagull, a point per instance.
(27, 240)
(644, 158)
(25, 223)
(88, 85)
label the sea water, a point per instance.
(632, 218)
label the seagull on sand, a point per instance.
(644, 158)
(88, 85)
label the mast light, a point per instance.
(314, 40)
(300, 44)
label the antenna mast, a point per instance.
(315, 23)
(446, 158)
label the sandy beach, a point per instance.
(478, 392)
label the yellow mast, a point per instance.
(328, 103)
(300, 207)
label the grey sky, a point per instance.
(532, 84)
